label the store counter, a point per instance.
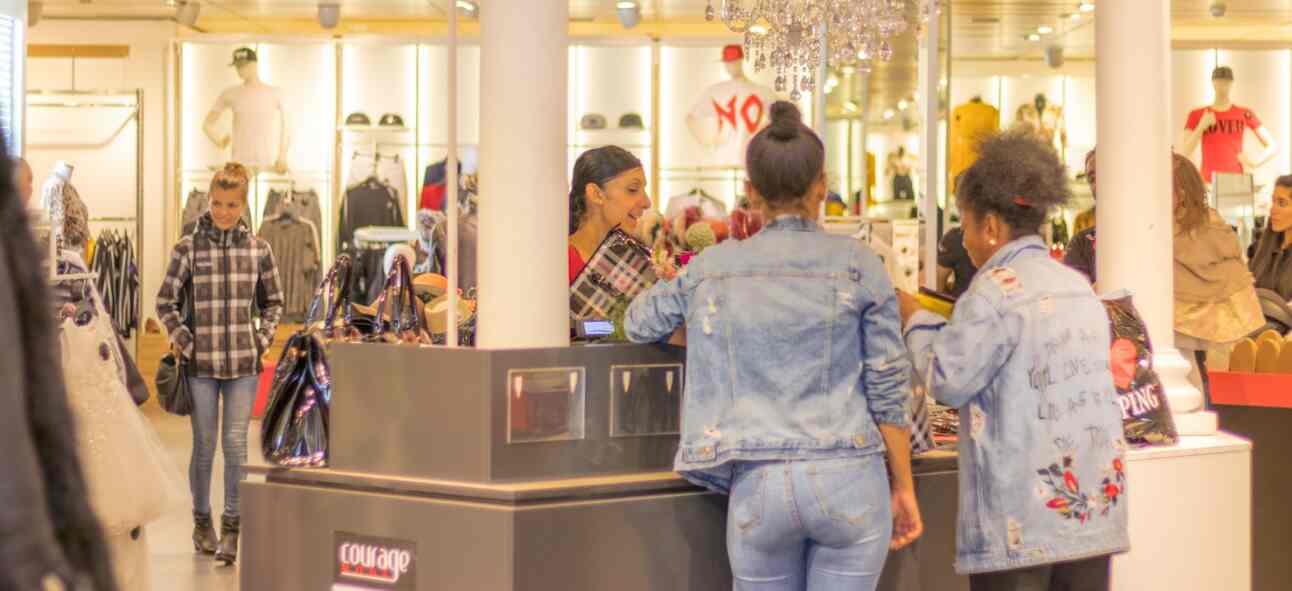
(549, 469)
(1259, 407)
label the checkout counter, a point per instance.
(550, 470)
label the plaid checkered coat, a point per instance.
(233, 273)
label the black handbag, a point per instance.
(173, 389)
(296, 423)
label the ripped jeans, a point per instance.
(818, 525)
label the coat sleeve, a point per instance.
(886, 366)
(171, 295)
(657, 312)
(963, 356)
(271, 310)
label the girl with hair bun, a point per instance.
(797, 382)
(1025, 359)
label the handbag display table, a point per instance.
(447, 472)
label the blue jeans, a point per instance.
(819, 525)
(239, 396)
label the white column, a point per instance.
(930, 88)
(524, 209)
(1133, 45)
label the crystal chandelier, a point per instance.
(787, 34)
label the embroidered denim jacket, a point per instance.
(1025, 359)
(794, 349)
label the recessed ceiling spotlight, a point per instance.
(903, 104)
(889, 114)
(1045, 29)
(849, 70)
(1086, 7)
(469, 7)
(1033, 37)
(329, 15)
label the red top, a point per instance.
(576, 264)
(1222, 144)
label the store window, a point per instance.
(11, 82)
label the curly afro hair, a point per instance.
(1018, 177)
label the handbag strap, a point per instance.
(404, 313)
(331, 295)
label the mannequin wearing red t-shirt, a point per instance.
(1221, 128)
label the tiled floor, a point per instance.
(175, 566)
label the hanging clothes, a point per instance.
(302, 205)
(197, 204)
(369, 203)
(386, 168)
(118, 282)
(294, 242)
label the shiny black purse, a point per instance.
(296, 424)
(173, 388)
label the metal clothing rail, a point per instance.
(132, 116)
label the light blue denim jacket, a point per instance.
(794, 350)
(1042, 457)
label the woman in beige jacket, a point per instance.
(1215, 294)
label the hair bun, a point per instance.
(786, 121)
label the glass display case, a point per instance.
(545, 404)
(645, 400)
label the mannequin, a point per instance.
(899, 170)
(257, 110)
(970, 122)
(1044, 118)
(728, 114)
(1220, 128)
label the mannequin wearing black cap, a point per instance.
(1220, 129)
(257, 110)
(729, 113)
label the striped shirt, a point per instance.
(232, 274)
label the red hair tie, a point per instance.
(1022, 202)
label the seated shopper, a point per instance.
(797, 383)
(1272, 261)
(1025, 359)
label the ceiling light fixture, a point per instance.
(889, 114)
(758, 30)
(329, 15)
(1033, 37)
(903, 104)
(1045, 29)
(469, 7)
(803, 33)
(1076, 16)
(1086, 7)
(187, 13)
(850, 106)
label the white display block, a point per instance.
(1190, 517)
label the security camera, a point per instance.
(1054, 56)
(1218, 8)
(630, 13)
(187, 13)
(329, 15)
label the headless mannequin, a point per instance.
(249, 73)
(703, 129)
(1191, 138)
(1034, 115)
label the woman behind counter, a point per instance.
(1025, 359)
(1272, 263)
(797, 381)
(608, 192)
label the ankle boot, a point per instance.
(228, 551)
(204, 540)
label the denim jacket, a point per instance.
(794, 350)
(1042, 457)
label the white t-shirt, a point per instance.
(731, 113)
(255, 128)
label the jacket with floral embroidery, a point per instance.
(1025, 359)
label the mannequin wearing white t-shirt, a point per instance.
(257, 111)
(730, 113)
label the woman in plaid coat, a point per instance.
(230, 276)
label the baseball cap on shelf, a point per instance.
(391, 120)
(593, 121)
(357, 118)
(1222, 73)
(631, 121)
(243, 55)
(733, 53)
